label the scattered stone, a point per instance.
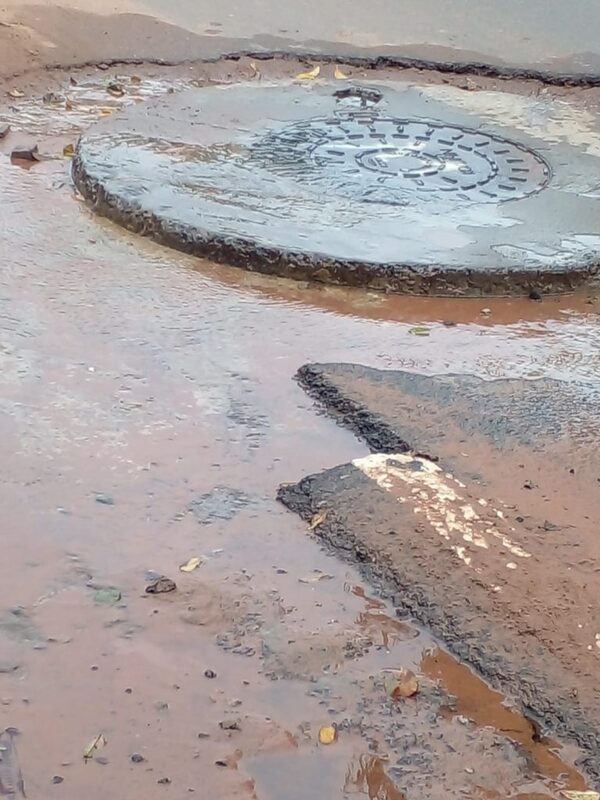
(137, 758)
(221, 762)
(230, 725)
(116, 89)
(4, 130)
(57, 779)
(164, 781)
(103, 66)
(210, 673)
(535, 294)
(8, 666)
(203, 735)
(161, 586)
(105, 499)
(550, 526)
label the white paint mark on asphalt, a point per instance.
(435, 495)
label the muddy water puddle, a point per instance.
(148, 414)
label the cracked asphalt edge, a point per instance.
(497, 659)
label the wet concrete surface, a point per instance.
(547, 36)
(148, 414)
(398, 185)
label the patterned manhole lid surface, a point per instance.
(380, 159)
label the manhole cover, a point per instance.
(429, 189)
(398, 161)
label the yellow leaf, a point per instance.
(581, 795)
(310, 75)
(316, 576)
(191, 565)
(327, 734)
(401, 683)
(317, 520)
(96, 743)
(338, 74)
(68, 151)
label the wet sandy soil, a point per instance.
(148, 414)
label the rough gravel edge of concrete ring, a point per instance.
(400, 278)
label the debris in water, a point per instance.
(107, 596)
(402, 683)
(68, 151)
(419, 330)
(191, 565)
(105, 499)
(316, 576)
(161, 586)
(230, 725)
(96, 744)
(327, 734)
(116, 89)
(310, 75)
(338, 74)
(581, 795)
(11, 779)
(25, 154)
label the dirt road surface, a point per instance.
(547, 36)
(148, 414)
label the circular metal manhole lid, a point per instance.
(381, 159)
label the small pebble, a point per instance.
(137, 758)
(57, 779)
(210, 673)
(164, 781)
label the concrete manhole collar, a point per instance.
(426, 189)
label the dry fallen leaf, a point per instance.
(316, 576)
(95, 745)
(310, 75)
(327, 734)
(338, 74)
(68, 104)
(317, 520)
(581, 795)
(401, 683)
(419, 330)
(191, 565)
(255, 70)
(14, 93)
(135, 79)
(68, 151)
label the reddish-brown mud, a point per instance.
(147, 415)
